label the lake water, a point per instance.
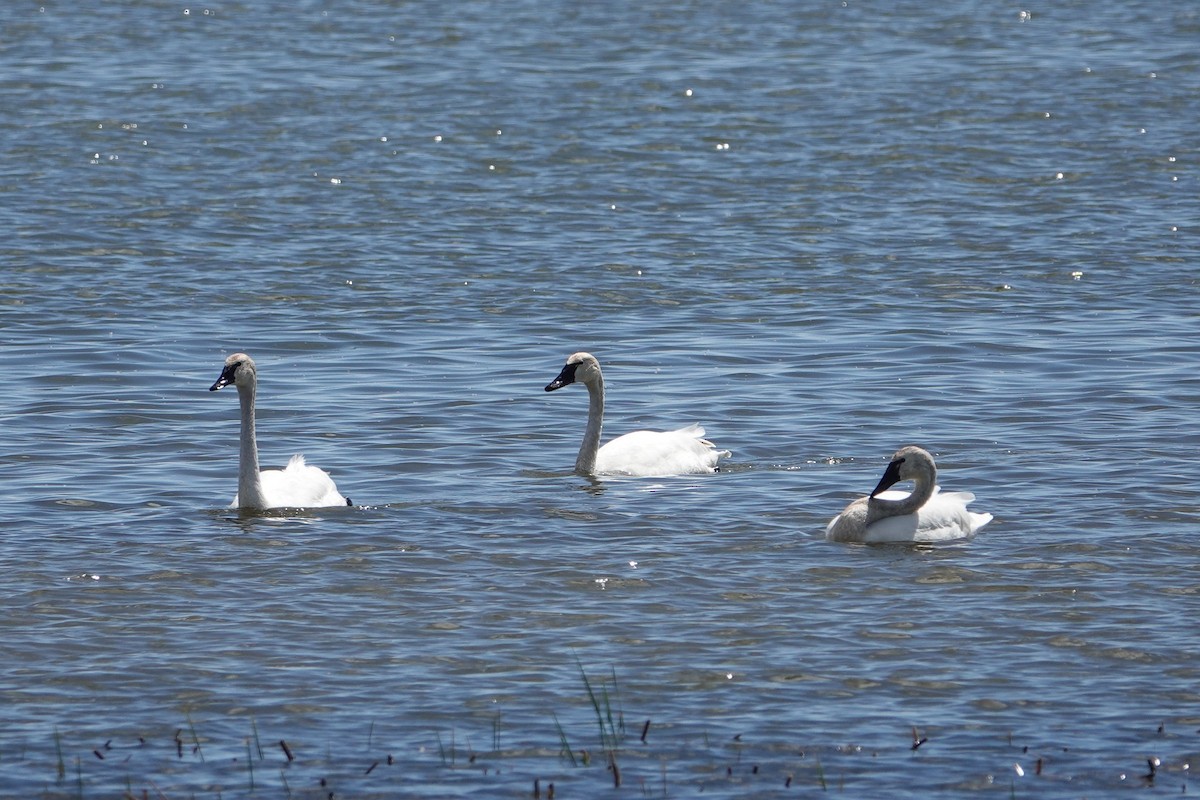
(824, 230)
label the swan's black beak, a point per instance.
(565, 378)
(891, 476)
(227, 376)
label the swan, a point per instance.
(297, 485)
(646, 454)
(925, 515)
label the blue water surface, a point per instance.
(823, 230)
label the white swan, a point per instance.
(925, 515)
(295, 486)
(647, 454)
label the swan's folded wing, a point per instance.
(299, 485)
(659, 453)
(955, 505)
(943, 518)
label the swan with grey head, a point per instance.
(297, 485)
(926, 514)
(641, 453)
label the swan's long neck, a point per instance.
(923, 485)
(585, 463)
(250, 492)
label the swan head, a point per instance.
(908, 464)
(239, 371)
(580, 368)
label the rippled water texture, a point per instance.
(822, 230)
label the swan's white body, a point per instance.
(646, 454)
(295, 486)
(924, 515)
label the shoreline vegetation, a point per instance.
(646, 758)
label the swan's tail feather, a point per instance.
(696, 431)
(979, 520)
(295, 462)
